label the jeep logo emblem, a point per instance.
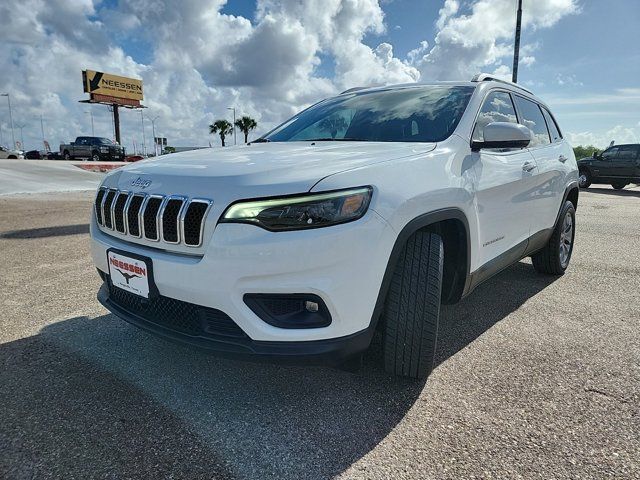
(140, 182)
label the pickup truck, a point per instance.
(93, 148)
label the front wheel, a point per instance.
(584, 180)
(554, 258)
(618, 186)
(412, 307)
(95, 156)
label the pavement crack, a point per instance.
(604, 394)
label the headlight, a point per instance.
(299, 212)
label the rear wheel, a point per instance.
(618, 186)
(554, 258)
(66, 155)
(412, 307)
(584, 180)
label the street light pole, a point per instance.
(153, 128)
(13, 138)
(144, 143)
(516, 45)
(234, 124)
(21, 135)
(42, 130)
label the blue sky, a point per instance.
(270, 58)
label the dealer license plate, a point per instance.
(129, 274)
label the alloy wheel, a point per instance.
(566, 239)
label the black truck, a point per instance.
(93, 148)
(618, 166)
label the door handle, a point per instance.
(562, 158)
(528, 166)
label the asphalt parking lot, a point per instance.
(537, 377)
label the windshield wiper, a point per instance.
(329, 139)
(260, 140)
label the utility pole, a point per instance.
(516, 46)
(21, 135)
(42, 130)
(153, 128)
(13, 138)
(234, 123)
(93, 132)
(144, 143)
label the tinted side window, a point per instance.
(497, 107)
(627, 153)
(553, 127)
(533, 119)
(610, 153)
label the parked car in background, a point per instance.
(364, 212)
(93, 148)
(10, 154)
(618, 165)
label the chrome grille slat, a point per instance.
(106, 208)
(171, 219)
(97, 204)
(150, 217)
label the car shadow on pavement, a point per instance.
(59, 231)
(98, 395)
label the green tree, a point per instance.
(222, 128)
(169, 150)
(245, 124)
(581, 152)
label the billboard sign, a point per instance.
(108, 85)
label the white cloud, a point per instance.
(202, 61)
(619, 134)
(469, 42)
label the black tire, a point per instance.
(584, 179)
(66, 155)
(95, 156)
(412, 307)
(12, 157)
(550, 259)
(618, 186)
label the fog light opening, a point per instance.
(311, 306)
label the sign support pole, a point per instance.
(116, 123)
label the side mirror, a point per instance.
(503, 135)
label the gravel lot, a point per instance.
(537, 377)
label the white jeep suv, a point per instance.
(363, 212)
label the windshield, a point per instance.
(426, 113)
(105, 141)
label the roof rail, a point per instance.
(354, 89)
(487, 77)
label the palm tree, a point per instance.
(245, 124)
(222, 128)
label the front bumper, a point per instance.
(343, 265)
(332, 351)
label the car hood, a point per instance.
(256, 170)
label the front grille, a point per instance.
(176, 315)
(171, 219)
